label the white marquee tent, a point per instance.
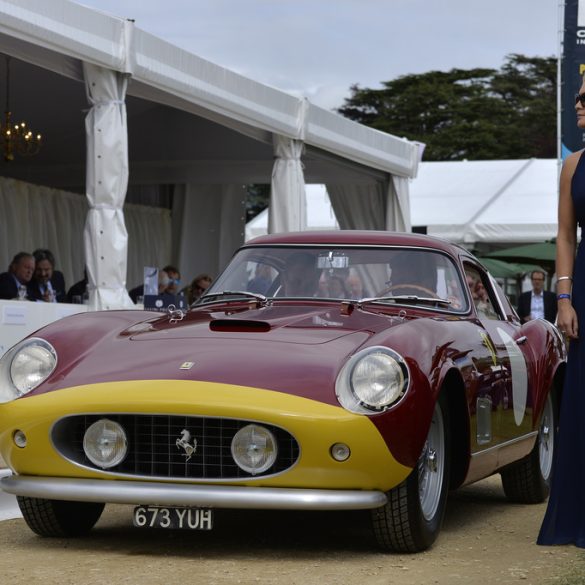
(475, 203)
(118, 106)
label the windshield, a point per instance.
(288, 272)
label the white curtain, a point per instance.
(288, 209)
(398, 210)
(210, 222)
(33, 216)
(375, 206)
(105, 236)
(358, 207)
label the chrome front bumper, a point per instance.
(168, 494)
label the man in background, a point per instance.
(47, 284)
(537, 303)
(14, 283)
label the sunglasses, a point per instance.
(580, 98)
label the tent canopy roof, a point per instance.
(220, 119)
(501, 201)
(487, 201)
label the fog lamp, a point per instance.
(19, 439)
(105, 443)
(340, 452)
(254, 449)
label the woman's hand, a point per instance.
(567, 320)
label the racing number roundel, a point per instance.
(519, 376)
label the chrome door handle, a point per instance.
(522, 340)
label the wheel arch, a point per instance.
(558, 382)
(453, 388)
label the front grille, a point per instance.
(152, 449)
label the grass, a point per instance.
(575, 575)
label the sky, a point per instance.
(319, 48)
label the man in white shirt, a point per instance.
(537, 303)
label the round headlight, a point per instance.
(372, 381)
(32, 363)
(105, 443)
(254, 449)
(377, 380)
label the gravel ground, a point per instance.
(484, 540)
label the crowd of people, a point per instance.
(33, 277)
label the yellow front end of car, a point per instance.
(320, 429)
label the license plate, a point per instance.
(173, 518)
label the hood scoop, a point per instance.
(239, 326)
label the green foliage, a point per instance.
(475, 114)
(257, 199)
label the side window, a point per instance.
(509, 310)
(479, 289)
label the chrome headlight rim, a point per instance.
(9, 388)
(344, 388)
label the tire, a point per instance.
(528, 481)
(59, 518)
(412, 517)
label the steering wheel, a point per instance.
(408, 285)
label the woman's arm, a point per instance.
(566, 241)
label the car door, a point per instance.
(502, 412)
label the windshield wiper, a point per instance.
(402, 299)
(262, 300)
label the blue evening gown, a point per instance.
(564, 521)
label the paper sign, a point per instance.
(14, 315)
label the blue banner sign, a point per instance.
(572, 71)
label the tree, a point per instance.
(257, 199)
(476, 114)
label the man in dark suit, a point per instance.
(537, 303)
(47, 283)
(18, 277)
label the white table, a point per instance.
(20, 318)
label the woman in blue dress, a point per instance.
(564, 522)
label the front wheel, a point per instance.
(412, 517)
(59, 518)
(527, 481)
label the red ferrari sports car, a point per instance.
(320, 371)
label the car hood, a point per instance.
(269, 325)
(293, 349)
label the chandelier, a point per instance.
(16, 138)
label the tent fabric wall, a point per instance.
(398, 205)
(358, 207)
(377, 206)
(287, 212)
(34, 216)
(105, 235)
(220, 210)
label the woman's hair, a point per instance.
(195, 289)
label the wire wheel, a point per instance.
(431, 467)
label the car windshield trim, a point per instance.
(237, 293)
(406, 299)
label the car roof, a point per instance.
(358, 238)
